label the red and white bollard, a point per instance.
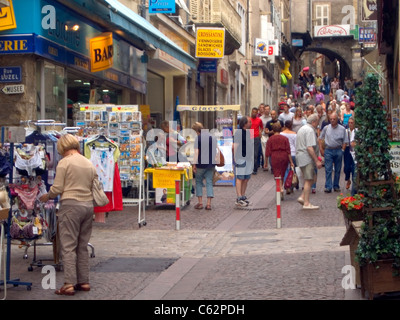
(178, 203)
(278, 203)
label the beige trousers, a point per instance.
(75, 228)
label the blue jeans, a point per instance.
(208, 174)
(333, 157)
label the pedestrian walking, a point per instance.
(349, 155)
(278, 149)
(307, 150)
(291, 135)
(335, 138)
(346, 114)
(243, 157)
(205, 151)
(298, 119)
(73, 183)
(256, 129)
(264, 136)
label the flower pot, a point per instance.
(378, 277)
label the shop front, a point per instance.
(51, 46)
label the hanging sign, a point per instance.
(161, 6)
(101, 52)
(7, 17)
(210, 42)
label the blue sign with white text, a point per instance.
(161, 6)
(10, 74)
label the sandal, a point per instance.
(82, 287)
(208, 207)
(198, 206)
(66, 290)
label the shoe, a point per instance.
(327, 190)
(254, 172)
(337, 190)
(313, 190)
(66, 290)
(348, 184)
(198, 206)
(310, 207)
(300, 200)
(82, 287)
(241, 203)
(244, 198)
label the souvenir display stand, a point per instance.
(164, 178)
(225, 125)
(120, 127)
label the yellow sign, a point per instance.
(101, 52)
(7, 17)
(210, 43)
(166, 178)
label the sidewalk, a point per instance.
(222, 254)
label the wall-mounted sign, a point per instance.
(297, 42)
(101, 52)
(10, 74)
(210, 43)
(261, 47)
(7, 17)
(207, 65)
(338, 30)
(161, 6)
(14, 89)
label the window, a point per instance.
(242, 14)
(322, 15)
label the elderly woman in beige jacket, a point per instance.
(73, 182)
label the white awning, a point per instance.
(182, 5)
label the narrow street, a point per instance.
(222, 254)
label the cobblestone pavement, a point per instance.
(225, 253)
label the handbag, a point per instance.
(288, 181)
(295, 180)
(219, 159)
(99, 197)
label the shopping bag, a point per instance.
(288, 181)
(219, 159)
(100, 199)
(295, 180)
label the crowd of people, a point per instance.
(303, 136)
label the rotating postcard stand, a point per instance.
(14, 136)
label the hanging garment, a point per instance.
(28, 160)
(103, 160)
(114, 197)
(27, 196)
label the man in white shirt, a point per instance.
(286, 115)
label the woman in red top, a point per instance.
(278, 148)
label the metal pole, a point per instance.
(177, 203)
(278, 203)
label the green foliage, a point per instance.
(373, 165)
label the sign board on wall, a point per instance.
(210, 43)
(338, 30)
(101, 52)
(10, 74)
(7, 17)
(162, 6)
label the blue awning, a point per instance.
(131, 22)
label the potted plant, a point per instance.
(351, 206)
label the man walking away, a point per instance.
(307, 159)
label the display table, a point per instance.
(164, 184)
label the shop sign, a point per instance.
(339, 30)
(234, 107)
(7, 17)
(210, 43)
(207, 65)
(395, 155)
(101, 52)
(161, 6)
(16, 44)
(166, 178)
(10, 74)
(14, 89)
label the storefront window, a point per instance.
(54, 89)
